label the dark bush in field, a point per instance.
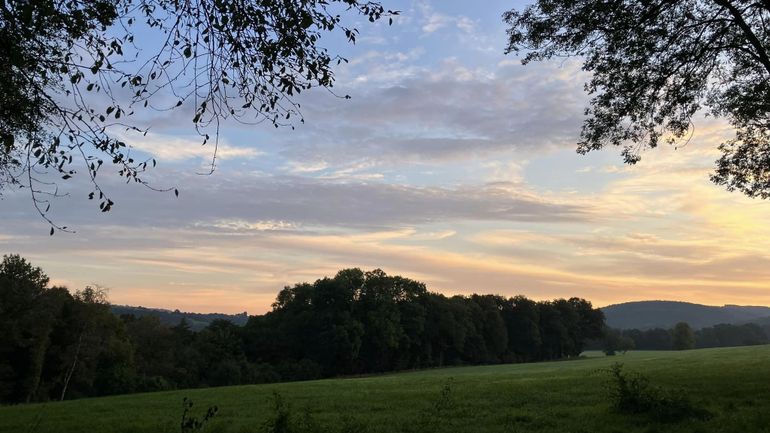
(280, 417)
(191, 423)
(632, 393)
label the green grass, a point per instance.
(569, 396)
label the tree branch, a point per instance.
(752, 38)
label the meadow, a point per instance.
(732, 384)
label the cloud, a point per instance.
(433, 21)
(465, 24)
(661, 231)
(450, 164)
(240, 201)
(239, 225)
(453, 115)
(174, 148)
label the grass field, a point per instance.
(569, 396)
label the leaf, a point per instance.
(51, 233)
(176, 192)
(8, 140)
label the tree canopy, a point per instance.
(57, 345)
(73, 72)
(655, 64)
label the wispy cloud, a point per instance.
(433, 21)
(175, 148)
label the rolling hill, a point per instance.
(196, 321)
(665, 314)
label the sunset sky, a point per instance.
(452, 164)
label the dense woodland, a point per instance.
(58, 345)
(722, 335)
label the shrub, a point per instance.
(262, 373)
(280, 420)
(633, 394)
(191, 423)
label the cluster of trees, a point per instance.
(360, 322)
(725, 335)
(56, 345)
(682, 337)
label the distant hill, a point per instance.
(197, 321)
(665, 314)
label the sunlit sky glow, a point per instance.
(452, 164)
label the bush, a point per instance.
(304, 369)
(154, 383)
(225, 372)
(633, 394)
(282, 420)
(262, 373)
(190, 423)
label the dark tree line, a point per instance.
(360, 322)
(56, 345)
(678, 338)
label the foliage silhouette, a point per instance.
(75, 73)
(683, 337)
(654, 65)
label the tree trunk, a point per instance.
(72, 368)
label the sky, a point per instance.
(451, 164)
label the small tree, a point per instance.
(611, 341)
(683, 336)
(626, 344)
